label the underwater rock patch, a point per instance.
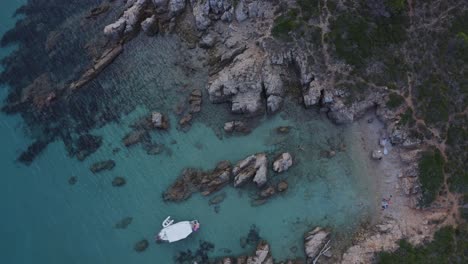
(118, 181)
(124, 222)
(86, 145)
(199, 256)
(102, 165)
(72, 180)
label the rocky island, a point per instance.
(394, 72)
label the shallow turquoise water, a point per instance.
(46, 220)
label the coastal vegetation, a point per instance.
(450, 245)
(431, 175)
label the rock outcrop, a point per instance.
(283, 162)
(314, 241)
(254, 166)
(129, 21)
(236, 126)
(193, 180)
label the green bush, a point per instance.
(394, 100)
(431, 175)
(406, 118)
(285, 24)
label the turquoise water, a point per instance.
(47, 220)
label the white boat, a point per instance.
(174, 232)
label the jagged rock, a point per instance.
(241, 11)
(201, 11)
(238, 83)
(118, 181)
(134, 137)
(268, 192)
(141, 245)
(312, 94)
(236, 126)
(218, 178)
(282, 186)
(128, 22)
(195, 101)
(159, 121)
(176, 7)
(185, 120)
(193, 180)
(102, 165)
(377, 154)
(274, 88)
(314, 242)
(253, 166)
(107, 57)
(161, 6)
(262, 255)
(183, 187)
(274, 103)
(207, 41)
(283, 162)
(122, 224)
(150, 26)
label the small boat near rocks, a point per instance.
(173, 232)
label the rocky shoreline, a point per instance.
(253, 72)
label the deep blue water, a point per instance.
(46, 220)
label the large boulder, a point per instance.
(254, 166)
(314, 241)
(262, 254)
(283, 162)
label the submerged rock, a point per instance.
(86, 145)
(107, 57)
(141, 245)
(134, 137)
(72, 180)
(217, 199)
(268, 192)
(282, 186)
(118, 181)
(195, 101)
(185, 120)
(122, 224)
(102, 165)
(283, 129)
(314, 241)
(283, 162)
